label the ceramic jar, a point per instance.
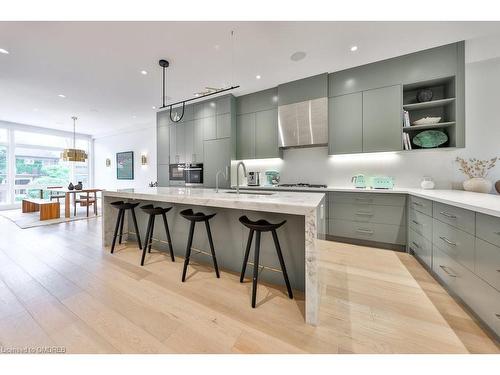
(79, 186)
(71, 186)
(427, 183)
(478, 185)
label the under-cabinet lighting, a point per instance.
(366, 157)
(354, 48)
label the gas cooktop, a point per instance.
(302, 185)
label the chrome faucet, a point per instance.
(238, 175)
(219, 172)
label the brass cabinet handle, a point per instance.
(361, 213)
(448, 241)
(367, 231)
(447, 272)
(415, 244)
(444, 213)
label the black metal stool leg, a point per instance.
(136, 229)
(165, 222)
(282, 263)
(255, 268)
(151, 233)
(146, 240)
(247, 253)
(211, 242)
(121, 227)
(116, 230)
(188, 250)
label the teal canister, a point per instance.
(359, 181)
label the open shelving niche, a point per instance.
(442, 105)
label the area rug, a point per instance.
(32, 219)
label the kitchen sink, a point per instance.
(250, 192)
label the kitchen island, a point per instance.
(304, 212)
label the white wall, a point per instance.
(482, 88)
(141, 141)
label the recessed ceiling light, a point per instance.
(354, 48)
(61, 95)
(297, 56)
(4, 51)
(154, 107)
(217, 47)
(143, 72)
(258, 76)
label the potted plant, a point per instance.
(476, 170)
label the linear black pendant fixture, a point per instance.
(165, 64)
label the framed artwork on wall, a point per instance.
(125, 165)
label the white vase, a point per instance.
(427, 183)
(478, 185)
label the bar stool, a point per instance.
(193, 218)
(260, 226)
(153, 212)
(122, 207)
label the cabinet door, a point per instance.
(173, 144)
(217, 156)
(245, 136)
(223, 126)
(266, 134)
(163, 144)
(345, 124)
(209, 128)
(382, 120)
(188, 141)
(198, 141)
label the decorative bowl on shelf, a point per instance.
(430, 138)
(427, 121)
(424, 95)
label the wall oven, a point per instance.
(193, 174)
(176, 172)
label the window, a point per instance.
(30, 160)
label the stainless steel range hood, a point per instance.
(303, 124)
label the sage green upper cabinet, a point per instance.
(245, 136)
(303, 89)
(266, 134)
(217, 155)
(444, 61)
(382, 119)
(345, 124)
(198, 141)
(209, 128)
(177, 143)
(257, 125)
(162, 138)
(223, 126)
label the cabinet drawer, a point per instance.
(420, 223)
(488, 228)
(385, 199)
(455, 216)
(368, 213)
(488, 262)
(478, 295)
(420, 246)
(387, 233)
(421, 205)
(458, 244)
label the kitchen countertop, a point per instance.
(298, 203)
(488, 204)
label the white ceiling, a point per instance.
(97, 64)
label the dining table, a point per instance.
(67, 197)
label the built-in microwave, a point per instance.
(193, 174)
(176, 172)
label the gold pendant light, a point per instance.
(74, 154)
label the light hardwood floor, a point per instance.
(59, 287)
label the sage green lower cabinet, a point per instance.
(374, 232)
(420, 223)
(266, 134)
(488, 262)
(245, 136)
(188, 141)
(345, 124)
(420, 246)
(162, 174)
(382, 119)
(217, 156)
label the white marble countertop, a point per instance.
(488, 204)
(295, 203)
